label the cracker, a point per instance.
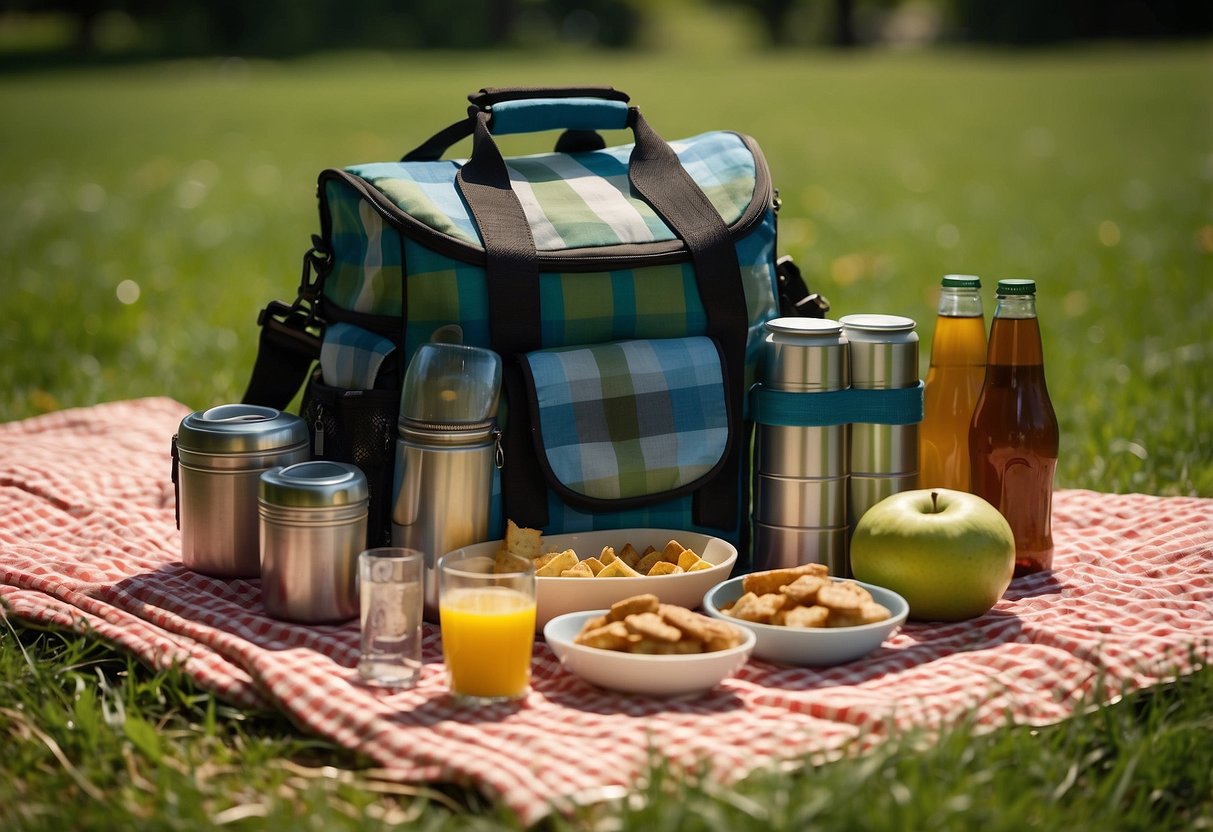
(687, 559)
(804, 589)
(612, 636)
(629, 555)
(522, 541)
(649, 625)
(581, 570)
(618, 569)
(635, 605)
(664, 567)
(692, 625)
(757, 608)
(869, 613)
(672, 551)
(813, 616)
(763, 583)
(552, 569)
(844, 597)
(594, 563)
(646, 563)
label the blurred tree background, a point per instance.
(118, 29)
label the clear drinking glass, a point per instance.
(390, 587)
(487, 612)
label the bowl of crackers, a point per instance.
(641, 645)
(592, 570)
(803, 616)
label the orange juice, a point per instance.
(487, 635)
(958, 367)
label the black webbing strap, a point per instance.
(513, 288)
(512, 277)
(511, 265)
(662, 181)
(285, 352)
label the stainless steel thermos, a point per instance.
(884, 458)
(313, 519)
(446, 453)
(218, 457)
(800, 485)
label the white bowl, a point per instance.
(812, 647)
(666, 675)
(556, 596)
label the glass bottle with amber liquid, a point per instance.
(958, 369)
(1013, 436)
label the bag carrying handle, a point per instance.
(578, 110)
(512, 275)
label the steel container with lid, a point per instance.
(447, 450)
(313, 525)
(800, 481)
(218, 457)
(805, 355)
(884, 351)
(884, 457)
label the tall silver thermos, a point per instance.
(884, 458)
(447, 448)
(800, 482)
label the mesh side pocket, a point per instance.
(358, 427)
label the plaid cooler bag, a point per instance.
(624, 287)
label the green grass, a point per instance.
(147, 212)
(92, 740)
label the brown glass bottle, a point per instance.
(1013, 436)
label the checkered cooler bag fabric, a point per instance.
(626, 420)
(624, 287)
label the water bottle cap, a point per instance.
(1017, 287)
(961, 281)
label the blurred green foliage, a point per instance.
(278, 28)
(147, 213)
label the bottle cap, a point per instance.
(1017, 287)
(961, 281)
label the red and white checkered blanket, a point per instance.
(88, 542)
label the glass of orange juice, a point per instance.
(486, 608)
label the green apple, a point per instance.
(950, 554)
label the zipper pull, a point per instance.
(498, 451)
(319, 430)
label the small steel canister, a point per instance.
(884, 458)
(313, 525)
(800, 486)
(218, 457)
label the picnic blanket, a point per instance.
(88, 542)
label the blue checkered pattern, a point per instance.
(631, 418)
(350, 356)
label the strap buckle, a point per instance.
(795, 299)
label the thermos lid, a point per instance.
(450, 386)
(961, 281)
(314, 484)
(877, 323)
(240, 428)
(808, 327)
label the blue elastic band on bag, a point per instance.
(539, 114)
(902, 406)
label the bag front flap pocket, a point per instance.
(629, 422)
